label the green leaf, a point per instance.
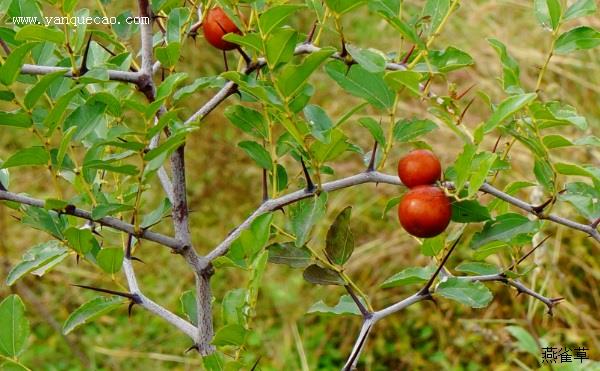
(110, 259)
(80, 240)
(525, 342)
(482, 165)
(258, 153)
(511, 80)
(256, 237)
(406, 30)
(322, 276)
(556, 114)
(230, 335)
(409, 276)
(507, 108)
(579, 38)
(504, 228)
(548, 13)
(287, 253)
(469, 211)
(556, 141)
(399, 80)
(168, 55)
(90, 311)
(478, 268)
(189, 307)
(435, 11)
(573, 169)
(233, 306)
(580, 8)
(86, 118)
(103, 210)
(361, 83)
(280, 46)
(432, 246)
(12, 65)
(339, 244)
(14, 325)
(34, 94)
(157, 214)
(36, 257)
(407, 130)
(276, 16)
(371, 60)
(293, 77)
(34, 32)
(584, 198)
(544, 174)
(32, 156)
(328, 152)
(17, 119)
(473, 294)
(320, 124)
(390, 204)
(44, 220)
(250, 40)
(105, 165)
(345, 305)
(444, 61)
(344, 6)
(375, 129)
(305, 214)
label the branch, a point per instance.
(107, 221)
(114, 75)
(230, 87)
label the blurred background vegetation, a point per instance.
(225, 187)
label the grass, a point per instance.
(225, 187)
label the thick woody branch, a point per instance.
(107, 221)
(114, 75)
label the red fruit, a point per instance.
(425, 211)
(216, 25)
(419, 167)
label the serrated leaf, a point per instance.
(32, 156)
(345, 305)
(14, 325)
(482, 165)
(80, 240)
(433, 246)
(504, 228)
(319, 122)
(407, 130)
(322, 276)
(305, 214)
(280, 46)
(478, 268)
(584, 197)
(445, 61)
(36, 257)
(511, 71)
(370, 59)
(110, 259)
(90, 311)
(339, 244)
(189, 307)
(469, 211)
(230, 335)
(287, 253)
(258, 153)
(232, 308)
(579, 38)
(293, 77)
(473, 294)
(404, 79)
(409, 276)
(507, 108)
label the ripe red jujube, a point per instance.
(419, 167)
(216, 25)
(425, 211)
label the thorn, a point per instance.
(344, 51)
(130, 308)
(371, 166)
(255, 364)
(519, 292)
(83, 69)
(193, 347)
(310, 186)
(408, 55)
(2, 188)
(595, 224)
(281, 209)
(514, 265)
(137, 259)
(539, 209)
(464, 112)
(311, 33)
(127, 295)
(129, 243)
(425, 290)
(265, 195)
(77, 259)
(247, 59)
(497, 143)
(460, 96)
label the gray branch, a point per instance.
(115, 75)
